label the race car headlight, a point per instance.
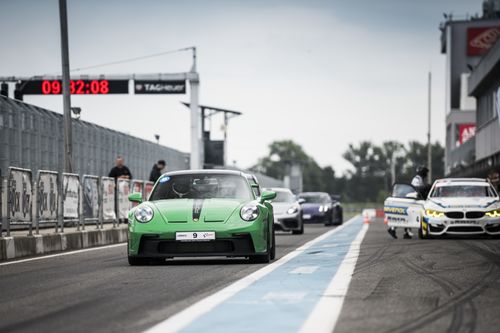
(292, 210)
(493, 213)
(323, 208)
(249, 212)
(433, 213)
(143, 214)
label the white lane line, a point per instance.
(62, 254)
(182, 319)
(304, 270)
(325, 314)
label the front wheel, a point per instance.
(300, 231)
(135, 261)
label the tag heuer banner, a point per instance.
(159, 87)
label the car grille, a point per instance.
(474, 215)
(465, 229)
(454, 215)
(152, 246)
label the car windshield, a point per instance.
(460, 191)
(201, 186)
(313, 198)
(282, 196)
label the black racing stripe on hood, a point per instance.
(197, 206)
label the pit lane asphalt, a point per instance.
(97, 291)
(437, 285)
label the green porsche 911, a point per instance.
(202, 213)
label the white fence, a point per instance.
(27, 203)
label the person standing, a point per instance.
(156, 171)
(419, 183)
(120, 170)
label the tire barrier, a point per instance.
(59, 199)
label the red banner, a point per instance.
(480, 40)
(465, 133)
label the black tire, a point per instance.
(341, 217)
(300, 231)
(135, 261)
(270, 253)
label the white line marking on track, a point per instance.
(325, 314)
(62, 254)
(182, 319)
(304, 270)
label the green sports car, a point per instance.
(202, 213)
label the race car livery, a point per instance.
(453, 206)
(202, 213)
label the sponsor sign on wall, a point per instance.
(20, 195)
(159, 87)
(47, 195)
(71, 195)
(137, 187)
(148, 187)
(108, 198)
(465, 133)
(90, 192)
(480, 40)
(123, 203)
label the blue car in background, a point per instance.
(319, 207)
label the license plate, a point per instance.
(306, 216)
(195, 236)
(463, 222)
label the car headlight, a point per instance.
(433, 213)
(249, 212)
(292, 210)
(143, 214)
(323, 208)
(493, 213)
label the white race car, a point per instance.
(455, 206)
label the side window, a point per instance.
(402, 190)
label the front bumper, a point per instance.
(287, 222)
(440, 226)
(231, 240)
(315, 217)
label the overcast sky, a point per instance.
(323, 73)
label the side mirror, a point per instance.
(267, 196)
(413, 195)
(301, 201)
(135, 197)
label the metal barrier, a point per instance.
(46, 198)
(19, 198)
(91, 202)
(108, 199)
(122, 203)
(71, 200)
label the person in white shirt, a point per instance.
(418, 182)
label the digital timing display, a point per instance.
(77, 87)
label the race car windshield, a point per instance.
(313, 198)
(201, 186)
(284, 197)
(462, 191)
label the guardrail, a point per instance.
(62, 199)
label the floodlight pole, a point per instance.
(68, 138)
(197, 152)
(429, 145)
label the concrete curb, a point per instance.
(25, 246)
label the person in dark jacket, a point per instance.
(157, 171)
(120, 170)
